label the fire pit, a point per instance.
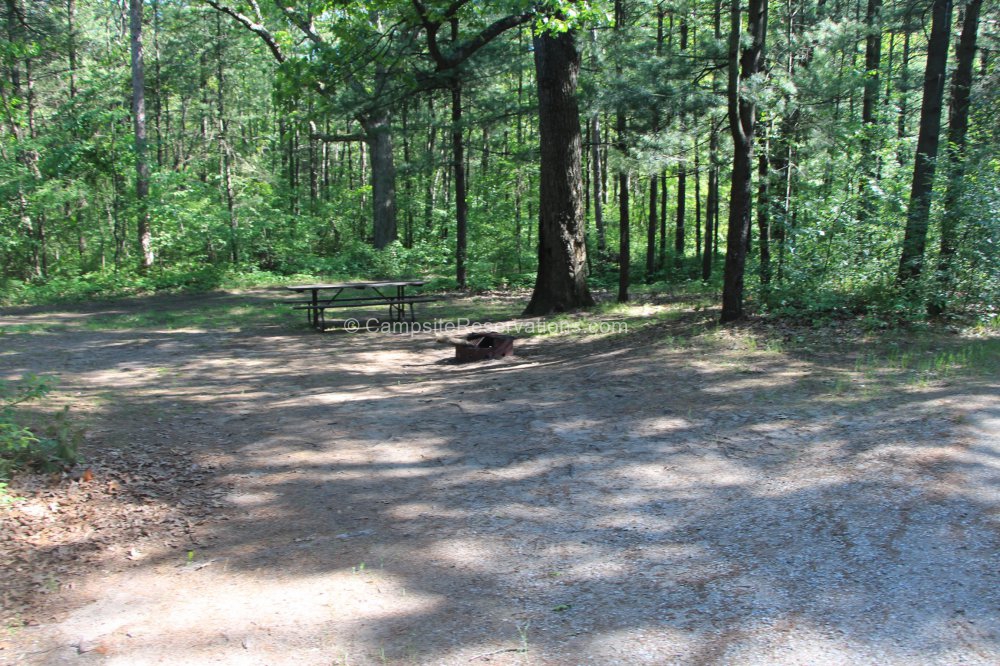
(483, 346)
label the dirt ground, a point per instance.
(264, 494)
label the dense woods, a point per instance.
(809, 155)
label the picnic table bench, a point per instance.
(338, 295)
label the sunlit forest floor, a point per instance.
(254, 492)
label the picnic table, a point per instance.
(345, 295)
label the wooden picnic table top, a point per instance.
(357, 285)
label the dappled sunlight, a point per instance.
(584, 501)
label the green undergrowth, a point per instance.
(47, 448)
(929, 359)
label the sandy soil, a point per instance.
(270, 495)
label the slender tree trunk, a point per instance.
(711, 205)
(869, 156)
(764, 209)
(904, 84)
(139, 123)
(407, 182)
(680, 212)
(624, 222)
(224, 148)
(158, 83)
(561, 282)
(431, 176)
(712, 214)
(915, 238)
(742, 117)
(679, 231)
(697, 199)
(458, 155)
(71, 45)
(595, 161)
(958, 127)
(651, 229)
(663, 219)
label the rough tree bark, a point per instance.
(742, 116)
(378, 138)
(561, 283)
(915, 238)
(958, 126)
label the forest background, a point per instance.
(802, 157)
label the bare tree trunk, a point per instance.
(458, 157)
(561, 283)
(869, 158)
(379, 138)
(958, 126)
(139, 123)
(742, 118)
(158, 82)
(904, 76)
(429, 193)
(407, 182)
(711, 205)
(651, 229)
(915, 239)
(624, 223)
(679, 240)
(224, 148)
(595, 161)
(663, 219)
(697, 199)
(764, 209)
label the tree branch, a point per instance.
(256, 27)
(337, 138)
(464, 51)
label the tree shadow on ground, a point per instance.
(590, 501)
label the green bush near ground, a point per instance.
(22, 447)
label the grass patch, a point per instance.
(925, 361)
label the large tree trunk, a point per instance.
(139, 122)
(378, 137)
(742, 116)
(561, 283)
(958, 126)
(915, 239)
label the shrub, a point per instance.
(21, 447)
